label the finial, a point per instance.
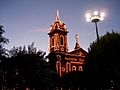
(77, 44)
(76, 36)
(57, 12)
(57, 16)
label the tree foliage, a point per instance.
(24, 67)
(103, 61)
(27, 68)
(3, 41)
(73, 81)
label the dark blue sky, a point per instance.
(27, 21)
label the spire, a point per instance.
(57, 16)
(77, 44)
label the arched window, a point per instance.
(58, 66)
(67, 67)
(61, 40)
(52, 41)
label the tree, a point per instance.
(3, 41)
(103, 62)
(73, 81)
(27, 68)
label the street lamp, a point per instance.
(95, 17)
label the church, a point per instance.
(63, 60)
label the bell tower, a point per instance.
(58, 41)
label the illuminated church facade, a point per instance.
(63, 60)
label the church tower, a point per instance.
(58, 36)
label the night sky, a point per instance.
(27, 21)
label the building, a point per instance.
(62, 60)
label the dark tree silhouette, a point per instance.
(3, 41)
(27, 68)
(103, 62)
(3, 54)
(52, 61)
(73, 81)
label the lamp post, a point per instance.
(95, 18)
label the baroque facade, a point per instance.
(63, 60)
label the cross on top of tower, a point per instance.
(76, 36)
(77, 44)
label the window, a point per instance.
(67, 67)
(52, 41)
(58, 65)
(61, 40)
